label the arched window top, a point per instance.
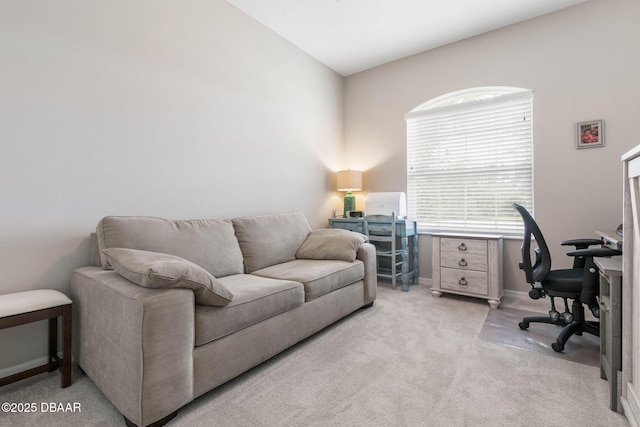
(469, 158)
(469, 95)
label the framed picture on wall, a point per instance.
(590, 134)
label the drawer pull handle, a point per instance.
(462, 247)
(462, 282)
(463, 263)
(602, 305)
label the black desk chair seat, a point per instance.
(568, 281)
(580, 283)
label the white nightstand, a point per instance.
(468, 264)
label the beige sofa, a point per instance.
(171, 309)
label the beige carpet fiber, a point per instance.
(410, 360)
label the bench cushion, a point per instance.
(27, 301)
(319, 277)
(254, 300)
(209, 243)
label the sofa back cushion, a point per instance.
(209, 243)
(270, 239)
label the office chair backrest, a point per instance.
(538, 271)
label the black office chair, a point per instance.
(580, 283)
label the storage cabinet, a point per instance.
(468, 264)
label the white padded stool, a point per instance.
(31, 306)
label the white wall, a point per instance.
(177, 109)
(583, 63)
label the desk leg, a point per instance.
(405, 264)
(415, 259)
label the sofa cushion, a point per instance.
(209, 243)
(254, 300)
(270, 239)
(156, 270)
(331, 243)
(319, 277)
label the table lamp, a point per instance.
(349, 181)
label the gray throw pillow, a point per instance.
(158, 270)
(331, 243)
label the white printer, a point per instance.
(385, 203)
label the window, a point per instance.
(469, 158)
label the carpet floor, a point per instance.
(410, 360)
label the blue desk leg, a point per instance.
(405, 264)
(415, 259)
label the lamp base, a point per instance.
(349, 204)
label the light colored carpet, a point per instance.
(410, 360)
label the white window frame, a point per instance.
(469, 158)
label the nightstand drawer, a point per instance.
(463, 246)
(464, 281)
(465, 261)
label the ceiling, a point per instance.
(350, 36)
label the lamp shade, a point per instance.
(349, 180)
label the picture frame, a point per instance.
(590, 134)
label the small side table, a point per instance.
(21, 308)
(468, 264)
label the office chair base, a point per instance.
(568, 329)
(575, 328)
(524, 325)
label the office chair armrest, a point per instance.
(581, 243)
(595, 252)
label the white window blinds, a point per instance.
(469, 158)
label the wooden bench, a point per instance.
(31, 306)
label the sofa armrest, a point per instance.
(135, 343)
(367, 254)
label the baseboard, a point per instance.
(631, 406)
(11, 370)
(425, 281)
(518, 295)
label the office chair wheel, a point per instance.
(567, 316)
(554, 315)
(523, 325)
(558, 348)
(536, 293)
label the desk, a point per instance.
(610, 301)
(404, 229)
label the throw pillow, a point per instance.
(331, 243)
(158, 270)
